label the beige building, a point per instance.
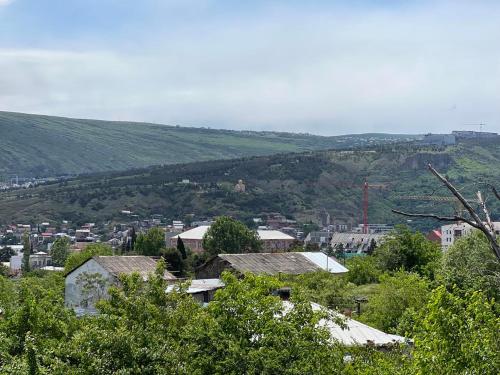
(273, 241)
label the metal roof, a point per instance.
(117, 265)
(200, 285)
(325, 262)
(352, 332)
(198, 233)
(271, 263)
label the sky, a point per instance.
(321, 67)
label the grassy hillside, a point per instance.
(298, 185)
(36, 145)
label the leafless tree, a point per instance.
(484, 225)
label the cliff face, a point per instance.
(421, 160)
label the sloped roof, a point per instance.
(193, 234)
(352, 332)
(266, 234)
(117, 265)
(271, 263)
(198, 233)
(325, 262)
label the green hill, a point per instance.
(296, 184)
(36, 145)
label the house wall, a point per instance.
(212, 269)
(194, 245)
(275, 246)
(73, 294)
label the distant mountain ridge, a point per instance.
(39, 145)
(298, 185)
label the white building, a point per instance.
(452, 232)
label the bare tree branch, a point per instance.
(495, 191)
(475, 221)
(437, 217)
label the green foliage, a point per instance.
(60, 251)
(25, 265)
(151, 242)
(77, 258)
(470, 265)
(395, 295)
(408, 250)
(93, 146)
(324, 288)
(6, 253)
(181, 248)
(229, 236)
(363, 270)
(457, 335)
(174, 260)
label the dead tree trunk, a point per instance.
(485, 226)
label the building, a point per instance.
(357, 243)
(89, 282)
(269, 264)
(452, 232)
(352, 332)
(202, 290)
(438, 140)
(240, 187)
(470, 134)
(434, 236)
(320, 238)
(272, 240)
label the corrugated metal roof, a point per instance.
(117, 265)
(200, 285)
(270, 263)
(325, 262)
(352, 332)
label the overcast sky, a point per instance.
(324, 67)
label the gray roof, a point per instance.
(271, 263)
(117, 265)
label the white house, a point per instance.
(89, 282)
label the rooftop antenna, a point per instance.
(480, 125)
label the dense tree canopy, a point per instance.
(227, 235)
(150, 243)
(408, 250)
(60, 251)
(470, 265)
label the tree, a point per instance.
(371, 247)
(457, 334)
(362, 270)
(181, 248)
(230, 236)
(6, 253)
(175, 261)
(133, 239)
(470, 265)
(396, 294)
(25, 266)
(151, 242)
(78, 258)
(60, 251)
(408, 250)
(474, 219)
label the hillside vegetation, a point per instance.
(297, 184)
(36, 145)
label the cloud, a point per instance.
(5, 2)
(327, 70)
